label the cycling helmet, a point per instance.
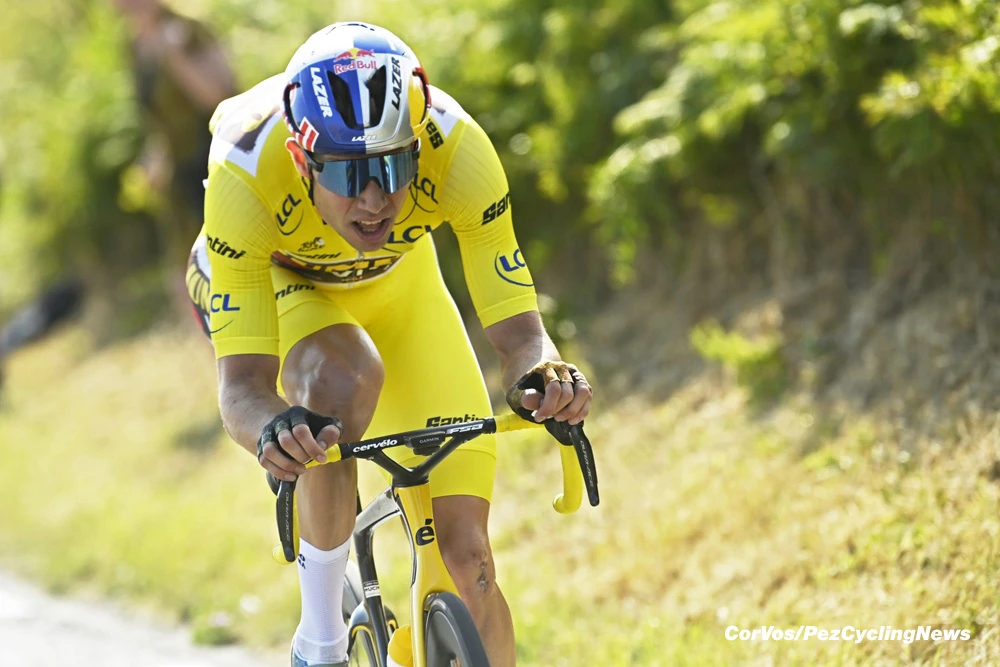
(355, 88)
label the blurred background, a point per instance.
(767, 228)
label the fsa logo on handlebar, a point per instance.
(478, 426)
(425, 535)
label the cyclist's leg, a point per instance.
(318, 340)
(330, 366)
(432, 375)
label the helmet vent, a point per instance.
(376, 96)
(343, 102)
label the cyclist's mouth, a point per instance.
(372, 230)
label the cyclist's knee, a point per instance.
(470, 561)
(336, 371)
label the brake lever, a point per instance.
(585, 455)
(573, 436)
(285, 515)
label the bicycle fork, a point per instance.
(372, 613)
(428, 571)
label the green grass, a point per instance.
(118, 479)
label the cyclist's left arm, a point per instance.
(477, 203)
(525, 348)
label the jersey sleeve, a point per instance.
(240, 237)
(477, 205)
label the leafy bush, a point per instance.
(624, 125)
(757, 364)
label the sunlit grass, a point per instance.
(117, 478)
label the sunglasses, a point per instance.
(348, 177)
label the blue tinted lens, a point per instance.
(348, 178)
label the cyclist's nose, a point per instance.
(373, 198)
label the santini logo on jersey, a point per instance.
(496, 209)
(220, 247)
(319, 88)
(447, 421)
(291, 289)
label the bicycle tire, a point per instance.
(363, 647)
(450, 634)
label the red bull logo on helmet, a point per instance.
(354, 59)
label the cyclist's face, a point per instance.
(364, 221)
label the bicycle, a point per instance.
(442, 633)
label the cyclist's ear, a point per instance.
(298, 157)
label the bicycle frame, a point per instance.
(428, 571)
(409, 497)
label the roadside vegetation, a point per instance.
(717, 510)
(766, 227)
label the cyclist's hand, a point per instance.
(293, 438)
(552, 389)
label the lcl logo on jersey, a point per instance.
(421, 189)
(221, 303)
(408, 235)
(512, 268)
(425, 186)
(288, 206)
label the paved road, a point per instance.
(37, 630)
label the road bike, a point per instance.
(442, 633)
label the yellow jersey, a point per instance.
(258, 214)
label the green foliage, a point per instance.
(67, 133)
(892, 107)
(623, 124)
(758, 364)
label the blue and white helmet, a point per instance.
(355, 88)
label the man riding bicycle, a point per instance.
(317, 279)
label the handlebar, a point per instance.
(578, 468)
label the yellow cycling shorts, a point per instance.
(432, 376)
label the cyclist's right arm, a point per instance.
(240, 238)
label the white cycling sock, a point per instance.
(322, 634)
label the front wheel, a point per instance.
(362, 644)
(451, 636)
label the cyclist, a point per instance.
(317, 279)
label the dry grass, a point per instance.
(119, 480)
